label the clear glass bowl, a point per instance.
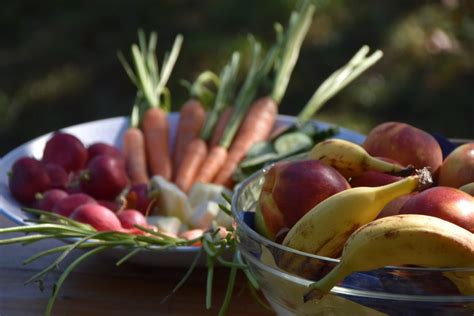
(387, 291)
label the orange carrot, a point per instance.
(191, 120)
(256, 127)
(155, 130)
(257, 72)
(153, 99)
(135, 156)
(210, 167)
(261, 116)
(220, 127)
(197, 151)
(193, 157)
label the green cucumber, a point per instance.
(292, 143)
(260, 148)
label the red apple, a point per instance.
(394, 206)
(458, 167)
(447, 203)
(406, 144)
(291, 189)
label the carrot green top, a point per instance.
(147, 77)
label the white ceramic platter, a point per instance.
(110, 131)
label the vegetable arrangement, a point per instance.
(153, 195)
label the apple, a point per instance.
(372, 178)
(290, 190)
(447, 203)
(394, 206)
(406, 144)
(458, 167)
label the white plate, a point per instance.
(110, 131)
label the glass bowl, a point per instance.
(386, 291)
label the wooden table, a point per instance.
(98, 287)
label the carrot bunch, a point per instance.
(193, 114)
(260, 115)
(197, 150)
(146, 146)
(216, 130)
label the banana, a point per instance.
(409, 239)
(325, 228)
(351, 159)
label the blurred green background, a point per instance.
(59, 66)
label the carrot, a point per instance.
(197, 151)
(155, 130)
(220, 127)
(217, 156)
(135, 157)
(153, 100)
(256, 127)
(213, 163)
(193, 114)
(261, 116)
(193, 157)
(191, 120)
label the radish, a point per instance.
(28, 177)
(104, 178)
(99, 148)
(99, 217)
(111, 205)
(65, 150)
(67, 205)
(49, 198)
(129, 218)
(58, 176)
(137, 197)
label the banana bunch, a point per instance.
(325, 228)
(352, 160)
(409, 239)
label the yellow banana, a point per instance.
(325, 228)
(351, 159)
(409, 239)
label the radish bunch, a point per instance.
(81, 182)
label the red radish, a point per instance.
(99, 217)
(65, 150)
(67, 205)
(111, 205)
(104, 178)
(137, 197)
(97, 149)
(28, 177)
(58, 176)
(128, 218)
(48, 199)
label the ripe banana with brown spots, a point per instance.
(352, 160)
(409, 239)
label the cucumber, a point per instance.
(256, 163)
(260, 148)
(292, 142)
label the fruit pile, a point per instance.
(393, 200)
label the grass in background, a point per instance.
(58, 64)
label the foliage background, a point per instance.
(58, 64)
